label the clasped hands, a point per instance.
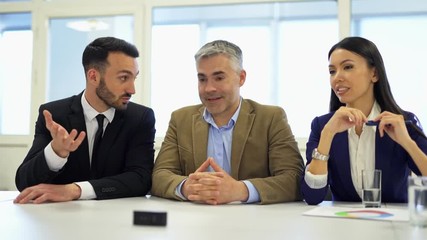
(214, 188)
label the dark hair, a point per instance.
(382, 92)
(96, 53)
(370, 53)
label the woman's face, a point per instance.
(351, 78)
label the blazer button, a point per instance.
(109, 189)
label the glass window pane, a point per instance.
(303, 70)
(256, 58)
(68, 38)
(181, 71)
(16, 43)
(174, 78)
(270, 36)
(401, 42)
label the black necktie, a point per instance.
(96, 143)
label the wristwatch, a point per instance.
(317, 155)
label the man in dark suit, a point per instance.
(60, 165)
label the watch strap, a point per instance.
(319, 156)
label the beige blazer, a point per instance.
(264, 151)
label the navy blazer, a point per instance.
(126, 151)
(390, 157)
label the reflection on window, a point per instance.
(68, 38)
(15, 81)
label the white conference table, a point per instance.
(113, 219)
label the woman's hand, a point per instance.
(345, 118)
(394, 125)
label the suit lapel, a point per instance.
(77, 121)
(384, 150)
(241, 131)
(341, 150)
(200, 136)
(383, 145)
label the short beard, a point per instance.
(108, 97)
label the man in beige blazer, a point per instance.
(227, 149)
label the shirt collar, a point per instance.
(90, 113)
(375, 111)
(207, 116)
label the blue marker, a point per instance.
(373, 123)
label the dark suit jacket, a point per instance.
(126, 152)
(264, 151)
(390, 157)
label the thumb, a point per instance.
(48, 119)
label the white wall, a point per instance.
(10, 158)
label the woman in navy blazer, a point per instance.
(365, 129)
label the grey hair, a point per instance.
(231, 50)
